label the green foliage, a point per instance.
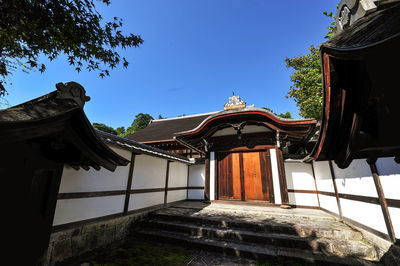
(120, 131)
(161, 117)
(283, 115)
(332, 27)
(307, 83)
(31, 28)
(105, 128)
(141, 121)
(307, 78)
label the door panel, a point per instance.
(244, 176)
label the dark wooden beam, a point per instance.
(382, 199)
(166, 183)
(282, 178)
(315, 182)
(216, 176)
(129, 184)
(302, 191)
(336, 190)
(207, 178)
(241, 169)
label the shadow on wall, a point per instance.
(359, 168)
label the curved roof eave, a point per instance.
(247, 110)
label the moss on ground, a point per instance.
(143, 253)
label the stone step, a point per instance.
(339, 247)
(331, 230)
(247, 250)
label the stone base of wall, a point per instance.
(79, 239)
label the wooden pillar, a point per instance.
(129, 184)
(166, 184)
(282, 179)
(207, 179)
(336, 190)
(315, 181)
(382, 199)
(187, 182)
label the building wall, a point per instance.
(196, 180)
(357, 192)
(149, 173)
(324, 184)
(90, 208)
(78, 209)
(178, 179)
(389, 173)
(301, 184)
(275, 176)
(357, 180)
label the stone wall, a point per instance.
(74, 241)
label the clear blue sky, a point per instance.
(195, 53)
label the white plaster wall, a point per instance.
(196, 175)
(329, 203)
(355, 179)
(389, 173)
(176, 195)
(143, 200)
(275, 176)
(149, 172)
(364, 213)
(324, 183)
(177, 174)
(300, 176)
(212, 175)
(196, 179)
(323, 176)
(196, 194)
(73, 210)
(395, 216)
(92, 180)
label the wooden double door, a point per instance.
(245, 176)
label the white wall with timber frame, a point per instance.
(88, 192)
(301, 184)
(87, 195)
(354, 196)
(196, 182)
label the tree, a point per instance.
(161, 117)
(307, 83)
(283, 115)
(141, 121)
(31, 28)
(307, 89)
(105, 128)
(120, 131)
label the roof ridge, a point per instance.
(183, 117)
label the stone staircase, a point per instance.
(255, 234)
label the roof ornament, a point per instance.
(72, 90)
(234, 102)
(351, 10)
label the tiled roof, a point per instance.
(164, 129)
